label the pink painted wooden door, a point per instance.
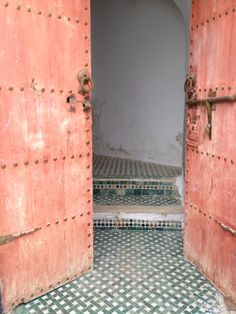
(46, 230)
(210, 201)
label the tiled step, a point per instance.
(135, 216)
(157, 201)
(134, 187)
(136, 192)
(129, 190)
(137, 200)
(116, 210)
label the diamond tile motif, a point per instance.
(140, 271)
(138, 189)
(107, 167)
(144, 200)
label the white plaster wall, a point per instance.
(184, 7)
(139, 55)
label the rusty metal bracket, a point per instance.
(210, 105)
(227, 228)
(4, 239)
(87, 105)
(212, 100)
(189, 84)
(208, 129)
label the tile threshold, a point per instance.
(138, 179)
(138, 209)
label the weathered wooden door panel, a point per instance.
(45, 147)
(210, 203)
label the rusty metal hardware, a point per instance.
(189, 84)
(208, 129)
(11, 237)
(85, 81)
(227, 228)
(86, 87)
(212, 100)
(87, 105)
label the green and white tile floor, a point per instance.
(126, 182)
(137, 200)
(135, 271)
(111, 167)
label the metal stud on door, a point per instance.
(46, 148)
(210, 207)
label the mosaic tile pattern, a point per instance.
(138, 186)
(107, 167)
(137, 200)
(135, 224)
(135, 272)
(133, 184)
(135, 192)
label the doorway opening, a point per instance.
(139, 66)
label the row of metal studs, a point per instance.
(205, 90)
(214, 18)
(197, 151)
(27, 163)
(191, 54)
(200, 211)
(207, 21)
(191, 42)
(42, 90)
(67, 278)
(186, 236)
(210, 217)
(39, 12)
(229, 88)
(6, 4)
(73, 218)
(52, 91)
(207, 155)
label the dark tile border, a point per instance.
(134, 224)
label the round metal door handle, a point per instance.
(85, 81)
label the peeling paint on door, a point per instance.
(46, 149)
(210, 179)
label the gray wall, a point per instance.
(184, 7)
(138, 51)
